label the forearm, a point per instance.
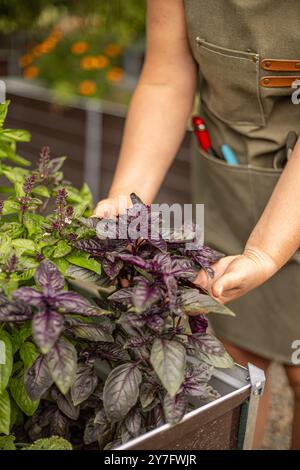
(277, 233)
(155, 126)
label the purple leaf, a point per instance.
(72, 302)
(198, 324)
(112, 268)
(29, 296)
(66, 405)
(145, 294)
(48, 277)
(111, 351)
(122, 295)
(205, 257)
(155, 322)
(47, 325)
(207, 344)
(175, 407)
(37, 379)
(85, 383)
(62, 363)
(196, 379)
(121, 391)
(14, 311)
(133, 259)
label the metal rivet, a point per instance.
(266, 81)
(199, 41)
(297, 65)
(268, 63)
(255, 58)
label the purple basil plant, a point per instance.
(116, 354)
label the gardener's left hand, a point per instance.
(237, 275)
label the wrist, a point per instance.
(264, 260)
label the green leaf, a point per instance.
(84, 261)
(10, 207)
(62, 363)
(194, 302)
(16, 415)
(224, 361)
(15, 135)
(47, 240)
(50, 443)
(3, 111)
(79, 210)
(62, 264)
(5, 247)
(7, 151)
(62, 249)
(74, 195)
(168, 360)
(15, 174)
(121, 391)
(28, 354)
(13, 229)
(25, 275)
(7, 359)
(4, 413)
(9, 286)
(42, 191)
(7, 443)
(86, 195)
(34, 223)
(19, 188)
(19, 394)
(24, 245)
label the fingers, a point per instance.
(109, 208)
(202, 279)
(227, 282)
(105, 209)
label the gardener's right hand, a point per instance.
(109, 208)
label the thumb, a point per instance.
(229, 280)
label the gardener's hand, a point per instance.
(237, 275)
(109, 208)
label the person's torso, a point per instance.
(248, 53)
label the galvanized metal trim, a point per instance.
(187, 417)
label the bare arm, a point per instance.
(160, 107)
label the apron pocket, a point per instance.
(225, 192)
(229, 84)
(234, 198)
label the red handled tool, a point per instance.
(201, 132)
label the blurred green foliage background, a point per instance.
(77, 47)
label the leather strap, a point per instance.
(277, 81)
(281, 65)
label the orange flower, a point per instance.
(101, 62)
(115, 74)
(113, 50)
(87, 87)
(31, 72)
(44, 47)
(88, 63)
(79, 47)
(25, 60)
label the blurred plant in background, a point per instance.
(77, 47)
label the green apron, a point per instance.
(252, 113)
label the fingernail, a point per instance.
(221, 288)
